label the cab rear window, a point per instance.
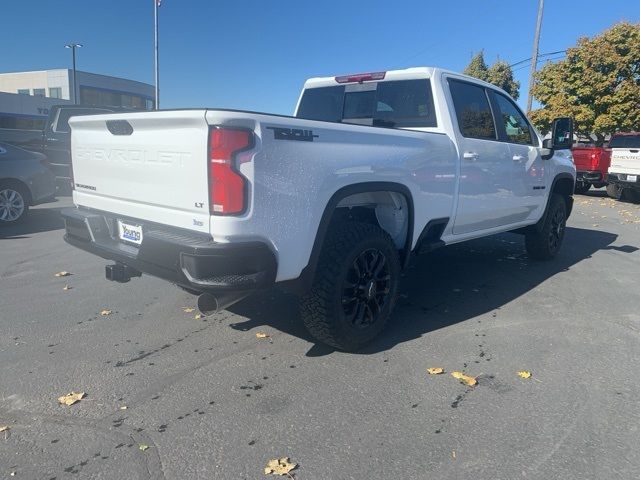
(625, 141)
(393, 104)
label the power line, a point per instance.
(526, 60)
(539, 61)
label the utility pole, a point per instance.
(73, 47)
(534, 56)
(156, 4)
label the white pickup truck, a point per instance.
(624, 171)
(331, 202)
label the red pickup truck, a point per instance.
(592, 164)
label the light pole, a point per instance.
(73, 47)
(534, 56)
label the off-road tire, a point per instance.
(614, 191)
(582, 188)
(326, 309)
(544, 242)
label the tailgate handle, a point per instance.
(119, 127)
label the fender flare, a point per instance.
(538, 226)
(308, 272)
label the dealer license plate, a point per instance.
(130, 233)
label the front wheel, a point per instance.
(544, 243)
(355, 287)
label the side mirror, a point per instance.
(546, 152)
(562, 133)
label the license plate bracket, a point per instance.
(129, 233)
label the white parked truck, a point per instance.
(624, 171)
(331, 202)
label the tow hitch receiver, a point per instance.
(121, 273)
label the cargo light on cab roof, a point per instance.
(361, 77)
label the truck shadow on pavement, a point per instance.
(449, 286)
(38, 220)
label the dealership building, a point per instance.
(92, 89)
(25, 97)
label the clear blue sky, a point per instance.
(256, 54)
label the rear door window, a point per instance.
(473, 112)
(625, 141)
(394, 104)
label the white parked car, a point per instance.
(331, 202)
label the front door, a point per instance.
(529, 176)
(485, 195)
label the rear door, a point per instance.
(625, 157)
(485, 195)
(527, 166)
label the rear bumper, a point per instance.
(622, 180)
(185, 258)
(590, 176)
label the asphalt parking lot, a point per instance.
(211, 400)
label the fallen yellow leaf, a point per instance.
(143, 447)
(104, 313)
(262, 335)
(4, 428)
(279, 466)
(469, 380)
(188, 309)
(435, 370)
(70, 398)
(123, 407)
(66, 287)
(198, 316)
(524, 374)
(62, 274)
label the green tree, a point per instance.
(598, 84)
(477, 67)
(499, 74)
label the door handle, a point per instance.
(473, 156)
(519, 158)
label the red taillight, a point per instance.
(227, 187)
(361, 77)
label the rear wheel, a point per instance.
(14, 203)
(614, 191)
(582, 188)
(544, 243)
(355, 287)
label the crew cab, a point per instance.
(330, 203)
(624, 172)
(592, 165)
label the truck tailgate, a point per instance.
(150, 166)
